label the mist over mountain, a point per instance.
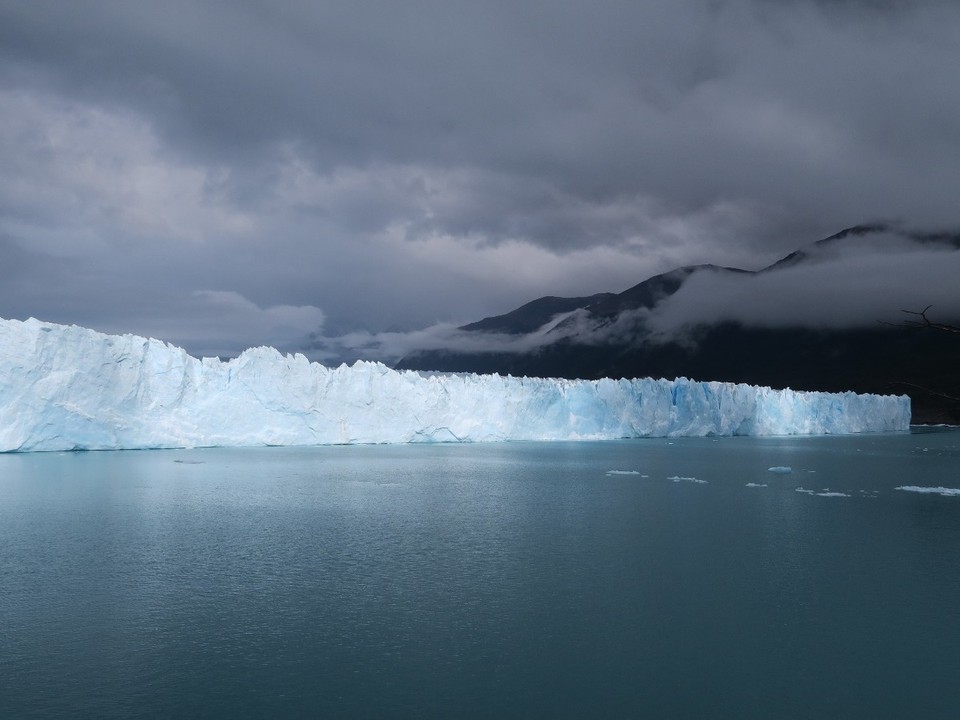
(828, 316)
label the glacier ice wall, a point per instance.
(65, 388)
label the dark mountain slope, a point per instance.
(609, 338)
(533, 315)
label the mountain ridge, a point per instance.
(608, 335)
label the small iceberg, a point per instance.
(944, 491)
(826, 492)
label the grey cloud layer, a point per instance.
(391, 166)
(862, 282)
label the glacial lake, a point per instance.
(661, 578)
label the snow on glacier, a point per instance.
(65, 388)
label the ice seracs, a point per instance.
(64, 388)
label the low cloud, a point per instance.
(858, 282)
(846, 291)
(389, 347)
(229, 322)
(222, 323)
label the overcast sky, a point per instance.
(226, 174)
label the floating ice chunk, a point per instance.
(677, 478)
(69, 388)
(752, 484)
(826, 492)
(780, 469)
(945, 491)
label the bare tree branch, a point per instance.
(924, 321)
(927, 390)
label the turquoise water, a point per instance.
(485, 581)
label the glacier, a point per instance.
(71, 388)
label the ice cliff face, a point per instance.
(65, 388)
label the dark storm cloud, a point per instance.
(395, 165)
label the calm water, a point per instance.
(487, 581)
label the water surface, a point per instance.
(474, 581)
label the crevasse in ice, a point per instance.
(65, 388)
